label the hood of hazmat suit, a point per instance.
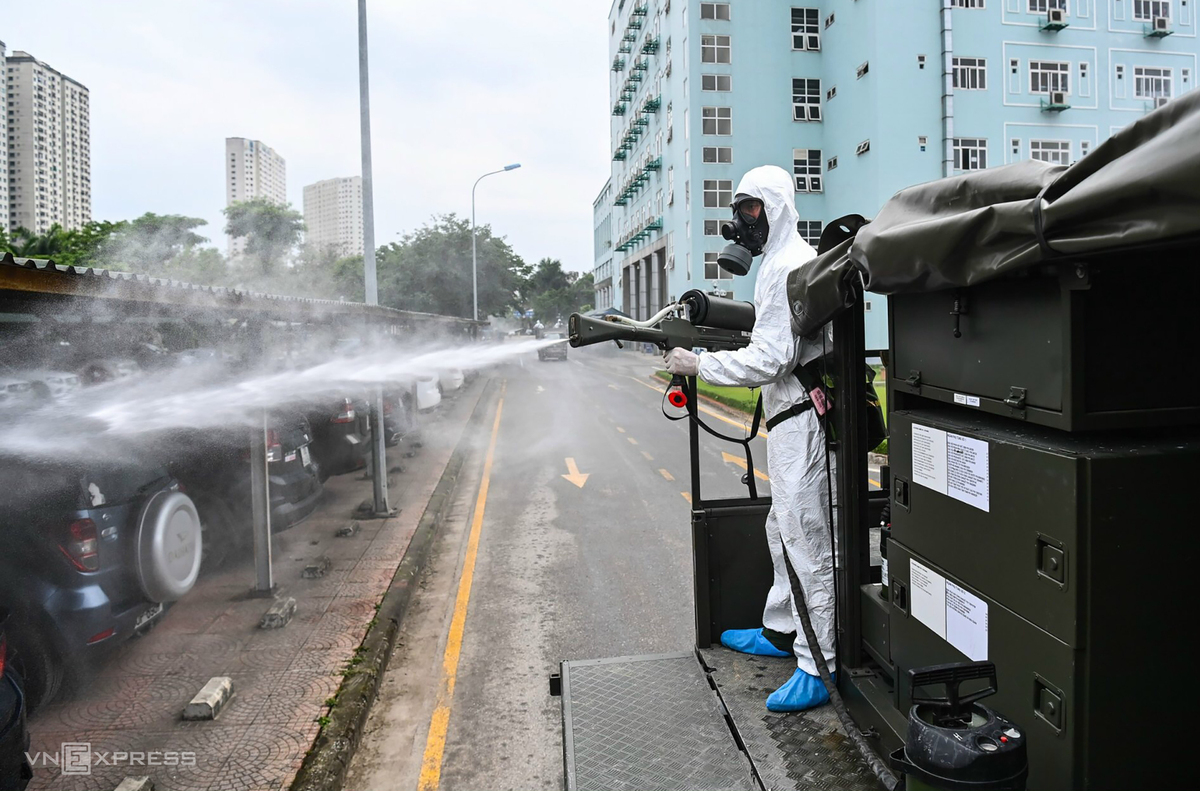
(774, 350)
(800, 494)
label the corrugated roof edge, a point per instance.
(240, 296)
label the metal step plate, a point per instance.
(789, 751)
(647, 722)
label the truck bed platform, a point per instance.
(697, 721)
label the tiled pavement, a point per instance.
(282, 678)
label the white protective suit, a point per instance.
(799, 514)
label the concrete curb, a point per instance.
(328, 760)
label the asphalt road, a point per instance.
(562, 571)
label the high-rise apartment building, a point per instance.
(858, 99)
(252, 170)
(333, 215)
(4, 225)
(48, 148)
(602, 269)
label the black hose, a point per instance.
(886, 777)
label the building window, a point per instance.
(712, 271)
(716, 82)
(1048, 76)
(806, 99)
(719, 11)
(1016, 147)
(806, 29)
(1044, 6)
(832, 92)
(862, 70)
(1084, 147)
(714, 49)
(717, 155)
(717, 120)
(810, 231)
(829, 20)
(968, 3)
(1056, 152)
(970, 153)
(970, 74)
(718, 193)
(806, 164)
(831, 164)
(1146, 10)
(712, 227)
(1151, 82)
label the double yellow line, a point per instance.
(439, 724)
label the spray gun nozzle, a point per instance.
(675, 393)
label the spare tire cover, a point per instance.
(168, 546)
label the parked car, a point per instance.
(90, 554)
(214, 467)
(557, 351)
(429, 394)
(450, 380)
(15, 771)
(341, 434)
(44, 383)
(15, 391)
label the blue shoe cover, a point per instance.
(801, 692)
(750, 641)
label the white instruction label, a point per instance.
(966, 622)
(928, 597)
(952, 464)
(929, 457)
(967, 477)
(966, 400)
(952, 612)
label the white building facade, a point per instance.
(252, 170)
(333, 215)
(48, 147)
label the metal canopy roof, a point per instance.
(32, 276)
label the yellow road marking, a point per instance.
(729, 458)
(439, 724)
(687, 496)
(574, 475)
(705, 410)
(666, 475)
(620, 429)
(648, 456)
(632, 441)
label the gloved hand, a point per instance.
(682, 362)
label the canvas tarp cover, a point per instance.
(1141, 186)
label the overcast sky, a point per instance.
(458, 87)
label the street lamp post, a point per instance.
(474, 257)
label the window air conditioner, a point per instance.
(1161, 24)
(1058, 98)
(1160, 101)
(1056, 16)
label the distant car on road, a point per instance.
(556, 351)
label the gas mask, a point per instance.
(747, 235)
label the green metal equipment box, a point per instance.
(1065, 559)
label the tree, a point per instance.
(430, 270)
(554, 293)
(79, 247)
(271, 231)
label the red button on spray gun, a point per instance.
(675, 393)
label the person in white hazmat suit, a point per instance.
(800, 494)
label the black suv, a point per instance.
(90, 553)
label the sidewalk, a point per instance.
(282, 678)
